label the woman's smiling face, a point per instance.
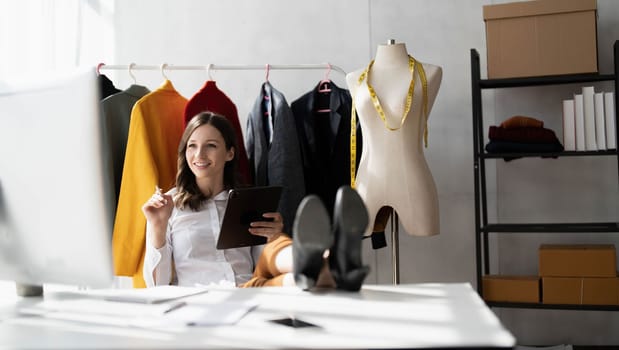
(206, 152)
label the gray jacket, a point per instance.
(273, 150)
(116, 111)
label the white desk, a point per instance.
(379, 316)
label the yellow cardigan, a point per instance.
(155, 131)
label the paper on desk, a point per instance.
(101, 307)
(224, 313)
(164, 315)
(152, 295)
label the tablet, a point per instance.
(246, 205)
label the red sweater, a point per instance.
(210, 98)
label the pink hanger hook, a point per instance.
(328, 71)
(99, 68)
(324, 83)
(268, 67)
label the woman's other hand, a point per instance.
(271, 229)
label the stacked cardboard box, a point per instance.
(516, 289)
(579, 274)
(569, 274)
(543, 37)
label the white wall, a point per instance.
(346, 33)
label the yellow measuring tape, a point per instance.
(412, 64)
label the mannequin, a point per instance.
(393, 170)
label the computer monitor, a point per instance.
(55, 198)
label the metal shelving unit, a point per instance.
(482, 227)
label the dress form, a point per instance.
(393, 171)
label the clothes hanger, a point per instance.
(208, 72)
(324, 85)
(101, 64)
(324, 89)
(266, 79)
(266, 97)
(268, 69)
(163, 67)
(130, 69)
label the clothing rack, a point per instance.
(211, 67)
(316, 66)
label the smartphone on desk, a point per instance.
(293, 322)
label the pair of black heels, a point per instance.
(313, 234)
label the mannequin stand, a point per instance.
(395, 246)
(395, 232)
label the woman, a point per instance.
(182, 225)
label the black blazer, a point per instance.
(325, 141)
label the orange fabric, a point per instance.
(266, 273)
(257, 281)
(155, 131)
(519, 121)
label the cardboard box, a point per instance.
(543, 37)
(581, 291)
(577, 260)
(519, 289)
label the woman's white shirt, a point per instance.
(190, 250)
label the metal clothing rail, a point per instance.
(210, 67)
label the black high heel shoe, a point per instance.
(311, 236)
(350, 220)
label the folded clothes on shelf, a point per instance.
(521, 134)
(521, 121)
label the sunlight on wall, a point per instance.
(37, 36)
(97, 40)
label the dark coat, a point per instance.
(325, 140)
(273, 150)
